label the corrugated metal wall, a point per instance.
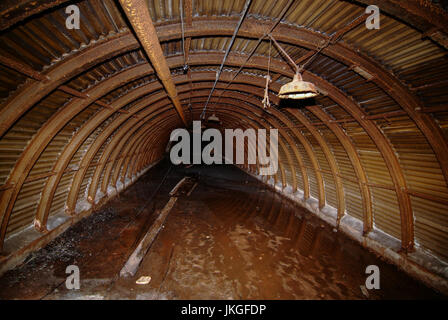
(416, 64)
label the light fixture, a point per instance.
(298, 89)
(213, 118)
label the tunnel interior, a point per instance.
(230, 238)
(94, 92)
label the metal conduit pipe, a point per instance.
(140, 19)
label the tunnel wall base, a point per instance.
(19, 245)
(419, 264)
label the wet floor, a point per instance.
(228, 238)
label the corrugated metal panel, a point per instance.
(42, 43)
(431, 225)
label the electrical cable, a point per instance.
(183, 33)
(282, 14)
(218, 74)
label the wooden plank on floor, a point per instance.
(131, 266)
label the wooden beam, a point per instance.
(341, 32)
(427, 196)
(138, 14)
(39, 176)
(434, 109)
(73, 92)
(23, 69)
(131, 266)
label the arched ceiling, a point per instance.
(83, 111)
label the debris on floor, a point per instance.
(143, 280)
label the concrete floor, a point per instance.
(232, 238)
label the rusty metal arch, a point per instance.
(234, 61)
(369, 126)
(224, 121)
(389, 156)
(77, 140)
(90, 154)
(259, 124)
(91, 193)
(378, 137)
(108, 170)
(128, 147)
(231, 94)
(84, 164)
(110, 164)
(111, 146)
(311, 154)
(414, 13)
(312, 40)
(237, 121)
(308, 149)
(29, 94)
(123, 173)
(122, 137)
(138, 147)
(325, 149)
(64, 159)
(142, 148)
(46, 133)
(130, 154)
(331, 160)
(142, 135)
(80, 136)
(117, 160)
(253, 28)
(355, 159)
(119, 166)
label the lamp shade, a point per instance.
(213, 118)
(297, 89)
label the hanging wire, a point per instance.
(185, 67)
(183, 34)
(269, 61)
(212, 108)
(266, 102)
(218, 74)
(285, 54)
(310, 59)
(282, 15)
(326, 44)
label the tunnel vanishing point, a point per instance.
(92, 90)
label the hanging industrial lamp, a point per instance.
(213, 118)
(297, 88)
